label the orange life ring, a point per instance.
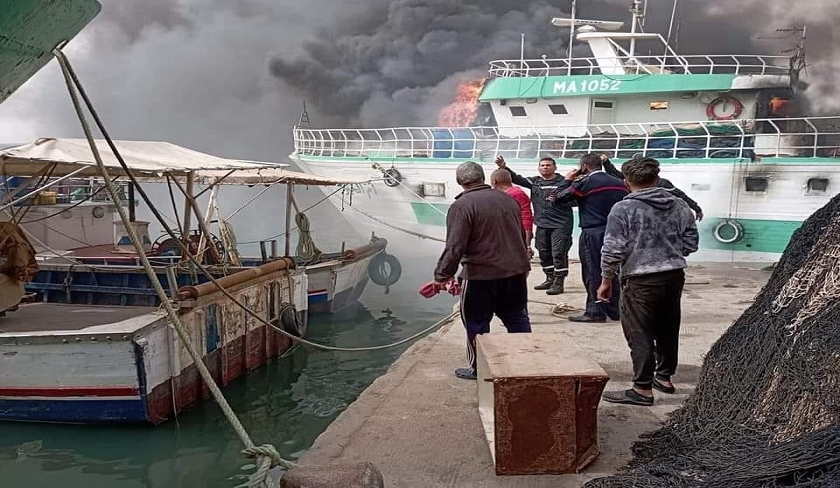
(710, 108)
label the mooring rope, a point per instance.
(266, 455)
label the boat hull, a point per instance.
(136, 371)
(767, 220)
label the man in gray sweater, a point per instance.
(648, 236)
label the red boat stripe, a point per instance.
(70, 391)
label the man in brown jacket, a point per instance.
(484, 234)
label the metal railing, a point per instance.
(781, 137)
(693, 64)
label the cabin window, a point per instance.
(756, 184)
(817, 186)
(658, 106)
(518, 112)
(604, 105)
(434, 189)
(558, 109)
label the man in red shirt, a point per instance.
(501, 180)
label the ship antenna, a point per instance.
(638, 19)
(303, 121)
(572, 34)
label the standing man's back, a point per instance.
(484, 233)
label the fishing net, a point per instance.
(766, 412)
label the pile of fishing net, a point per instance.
(766, 412)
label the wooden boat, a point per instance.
(88, 343)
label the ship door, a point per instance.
(602, 112)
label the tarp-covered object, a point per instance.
(766, 412)
(268, 176)
(144, 158)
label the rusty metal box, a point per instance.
(538, 398)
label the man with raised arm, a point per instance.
(595, 193)
(554, 223)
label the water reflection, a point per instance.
(287, 403)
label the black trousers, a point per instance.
(650, 318)
(506, 298)
(591, 242)
(553, 246)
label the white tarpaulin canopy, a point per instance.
(268, 176)
(146, 159)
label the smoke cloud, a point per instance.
(398, 67)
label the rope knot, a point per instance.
(265, 457)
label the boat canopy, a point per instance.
(268, 176)
(149, 161)
(146, 159)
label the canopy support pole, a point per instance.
(132, 216)
(289, 190)
(191, 204)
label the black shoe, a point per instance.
(465, 373)
(586, 319)
(545, 285)
(628, 397)
(661, 387)
(556, 287)
(615, 319)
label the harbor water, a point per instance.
(287, 403)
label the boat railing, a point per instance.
(779, 137)
(666, 64)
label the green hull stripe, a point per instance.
(599, 85)
(765, 236)
(568, 161)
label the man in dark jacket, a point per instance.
(554, 224)
(648, 236)
(595, 192)
(663, 183)
(484, 234)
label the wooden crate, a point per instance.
(538, 398)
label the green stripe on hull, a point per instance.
(599, 85)
(763, 236)
(759, 235)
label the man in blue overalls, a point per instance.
(595, 192)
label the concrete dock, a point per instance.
(419, 424)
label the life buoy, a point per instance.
(733, 226)
(384, 269)
(392, 177)
(710, 108)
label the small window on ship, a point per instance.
(518, 112)
(756, 184)
(658, 106)
(558, 109)
(817, 186)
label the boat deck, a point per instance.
(57, 317)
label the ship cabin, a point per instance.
(661, 104)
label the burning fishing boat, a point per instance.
(717, 123)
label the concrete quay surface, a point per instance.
(419, 424)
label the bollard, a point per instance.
(357, 475)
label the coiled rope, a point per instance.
(306, 248)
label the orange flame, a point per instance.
(462, 111)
